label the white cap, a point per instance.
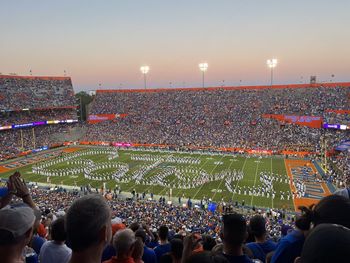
(17, 220)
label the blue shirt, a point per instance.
(238, 259)
(260, 250)
(149, 256)
(37, 243)
(161, 250)
(108, 253)
(289, 248)
(152, 244)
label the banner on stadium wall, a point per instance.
(96, 118)
(309, 121)
(35, 124)
(336, 126)
(260, 151)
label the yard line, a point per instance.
(82, 174)
(81, 177)
(137, 168)
(210, 172)
(147, 189)
(233, 194)
(190, 166)
(256, 175)
(223, 179)
(271, 195)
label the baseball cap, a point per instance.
(17, 220)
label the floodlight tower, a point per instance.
(144, 70)
(272, 63)
(203, 67)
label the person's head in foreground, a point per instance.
(163, 233)
(88, 226)
(137, 252)
(327, 243)
(331, 209)
(124, 243)
(258, 227)
(58, 230)
(16, 229)
(233, 234)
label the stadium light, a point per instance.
(144, 70)
(203, 67)
(272, 63)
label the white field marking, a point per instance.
(271, 195)
(189, 167)
(204, 184)
(245, 161)
(256, 175)
(223, 179)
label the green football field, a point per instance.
(157, 172)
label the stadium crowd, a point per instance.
(11, 140)
(17, 93)
(339, 169)
(15, 117)
(181, 118)
(222, 118)
(61, 226)
(43, 99)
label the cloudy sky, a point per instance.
(107, 41)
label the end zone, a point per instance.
(72, 149)
(305, 171)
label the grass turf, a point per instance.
(216, 190)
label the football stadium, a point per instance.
(193, 171)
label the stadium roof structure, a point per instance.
(259, 87)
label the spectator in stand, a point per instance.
(155, 241)
(343, 192)
(56, 251)
(206, 257)
(16, 186)
(175, 255)
(234, 232)
(221, 118)
(327, 243)
(164, 246)
(21, 92)
(16, 228)
(109, 250)
(37, 241)
(262, 246)
(123, 242)
(208, 242)
(88, 226)
(137, 252)
(330, 209)
(149, 256)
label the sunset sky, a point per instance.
(107, 41)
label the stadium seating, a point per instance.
(26, 100)
(217, 117)
(18, 92)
